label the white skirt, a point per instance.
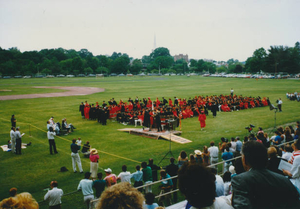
(94, 169)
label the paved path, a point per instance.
(71, 91)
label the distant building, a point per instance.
(181, 56)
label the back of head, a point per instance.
(149, 198)
(297, 144)
(21, 201)
(124, 168)
(272, 152)
(144, 164)
(87, 175)
(121, 196)
(255, 154)
(197, 183)
(13, 192)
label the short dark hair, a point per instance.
(255, 154)
(99, 175)
(13, 192)
(124, 168)
(149, 198)
(144, 164)
(227, 176)
(73, 140)
(87, 175)
(212, 143)
(192, 178)
(172, 159)
(297, 144)
(138, 167)
(54, 183)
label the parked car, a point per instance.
(39, 76)
(129, 74)
(18, 76)
(6, 77)
(50, 76)
(121, 74)
(27, 76)
(113, 74)
(70, 76)
(91, 75)
(60, 76)
(80, 75)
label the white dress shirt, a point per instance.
(54, 196)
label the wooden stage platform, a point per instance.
(173, 136)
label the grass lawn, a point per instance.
(35, 168)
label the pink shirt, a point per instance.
(94, 158)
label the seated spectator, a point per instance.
(219, 183)
(288, 150)
(86, 149)
(227, 183)
(166, 186)
(260, 187)
(150, 204)
(20, 201)
(121, 195)
(273, 161)
(124, 176)
(13, 192)
(197, 184)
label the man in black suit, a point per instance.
(259, 187)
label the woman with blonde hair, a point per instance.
(121, 196)
(20, 201)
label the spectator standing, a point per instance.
(138, 177)
(94, 158)
(50, 136)
(99, 185)
(259, 187)
(227, 155)
(147, 176)
(124, 176)
(154, 169)
(86, 149)
(214, 154)
(239, 145)
(13, 140)
(86, 185)
(13, 121)
(111, 179)
(205, 154)
(233, 144)
(75, 157)
(182, 158)
(54, 196)
(279, 104)
(172, 170)
(18, 141)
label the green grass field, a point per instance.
(35, 168)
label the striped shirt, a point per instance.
(296, 153)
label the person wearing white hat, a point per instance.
(94, 158)
(198, 157)
(110, 178)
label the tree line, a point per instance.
(62, 61)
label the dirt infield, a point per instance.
(71, 91)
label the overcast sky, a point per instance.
(203, 29)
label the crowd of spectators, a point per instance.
(293, 96)
(199, 162)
